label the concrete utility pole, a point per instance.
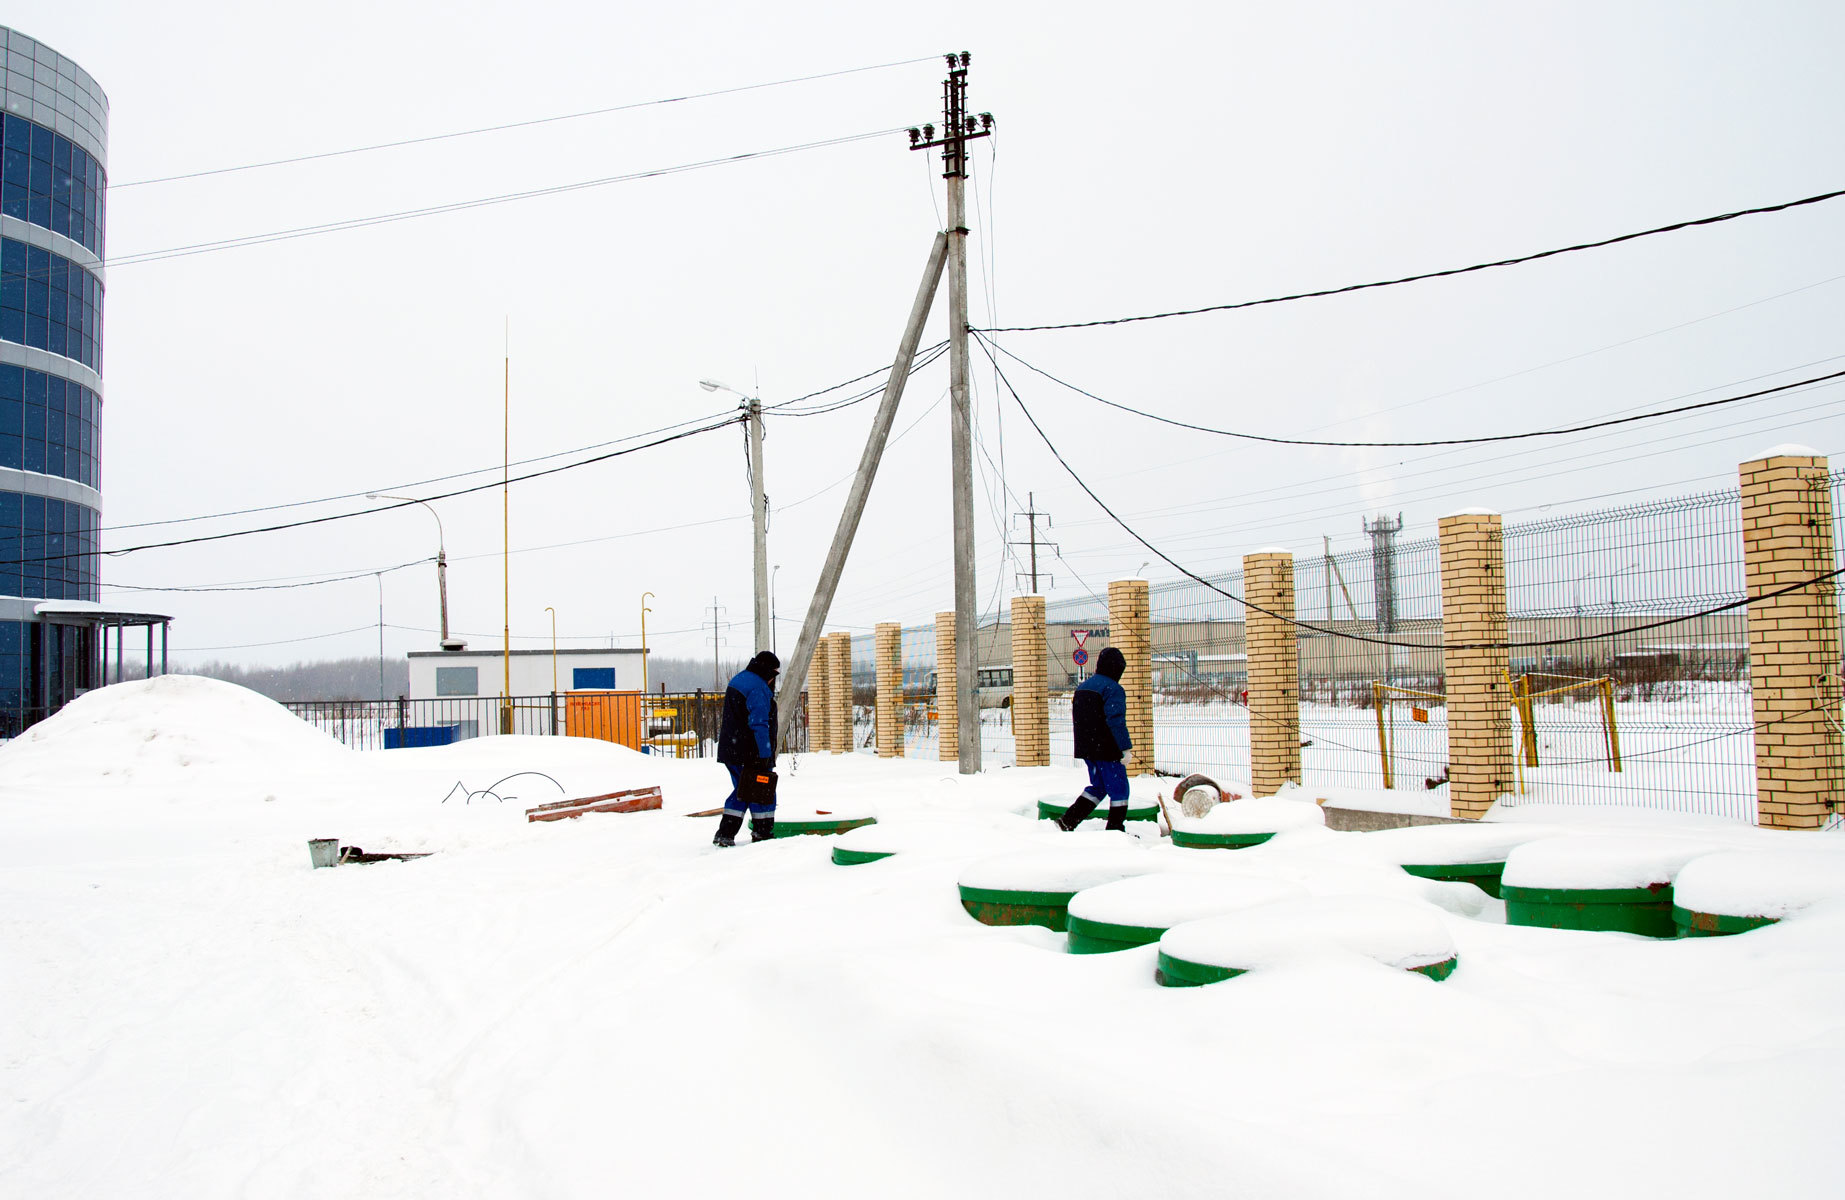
(759, 520)
(1031, 515)
(794, 672)
(958, 128)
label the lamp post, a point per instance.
(645, 597)
(441, 562)
(759, 508)
(553, 613)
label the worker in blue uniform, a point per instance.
(1099, 713)
(746, 746)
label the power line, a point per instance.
(406, 486)
(1354, 637)
(283, 235)
(215, 537)
(535, 121)
(1382, 283)
(313, 637)
(1561, 431)
(269, 587)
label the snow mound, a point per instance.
(1446, 845)
(1258, 814)
(1063, 870)
(934, 838)
(165, 727)
(1591, 861)
(1760, 883)
(1170, 898)
(1397, 933)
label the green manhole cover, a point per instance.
(1050, 810)
(1691, 923)
(995, 906)
(1218, 841)
(1646, 911)
(1177, 972)
(1483, 875)
(797, 826)
(851, 858)
(1105, 937)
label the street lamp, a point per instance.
(759, 508)
(441, 565)
(645, 597)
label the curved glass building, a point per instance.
(53, 178)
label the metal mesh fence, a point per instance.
(1609, 705)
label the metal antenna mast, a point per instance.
(958, 128)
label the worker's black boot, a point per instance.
(1073, 816)
(728, 828)
(762, 828)
(1117, 817)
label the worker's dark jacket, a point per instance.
(1099, 713)
(747, 734)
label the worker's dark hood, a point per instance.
(1111, 662)
(764, 664)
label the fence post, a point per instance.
(553, 714)
(1274, 671)
(1031, 712)
(1129, 632)
(889, 651)
(947, 704)
(1479, 701)
(839, 691)
(1793, 638)
(819, 740)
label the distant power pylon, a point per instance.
(1032, 516)
(718, 625)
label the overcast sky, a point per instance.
(1149, 158)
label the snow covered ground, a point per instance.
(612, 1006)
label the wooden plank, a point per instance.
(646, 791)
(647, 802)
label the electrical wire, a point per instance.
(527, 124)
(1383, 283)
(283, 235)
(406, 486)
(270, 587)
(216, 537)
(1354, 637)
(313, 637)
(1561, 431)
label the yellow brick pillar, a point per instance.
(818, 740)
(1274, 671)
(888, 648)
(947, 727)
(1793, 638)
(839, 692)
(1031, 699)
(1479, 702)
(1130, 631)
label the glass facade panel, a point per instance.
(51, 303)
(48, 424)
(51, 181)
(48, 548)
